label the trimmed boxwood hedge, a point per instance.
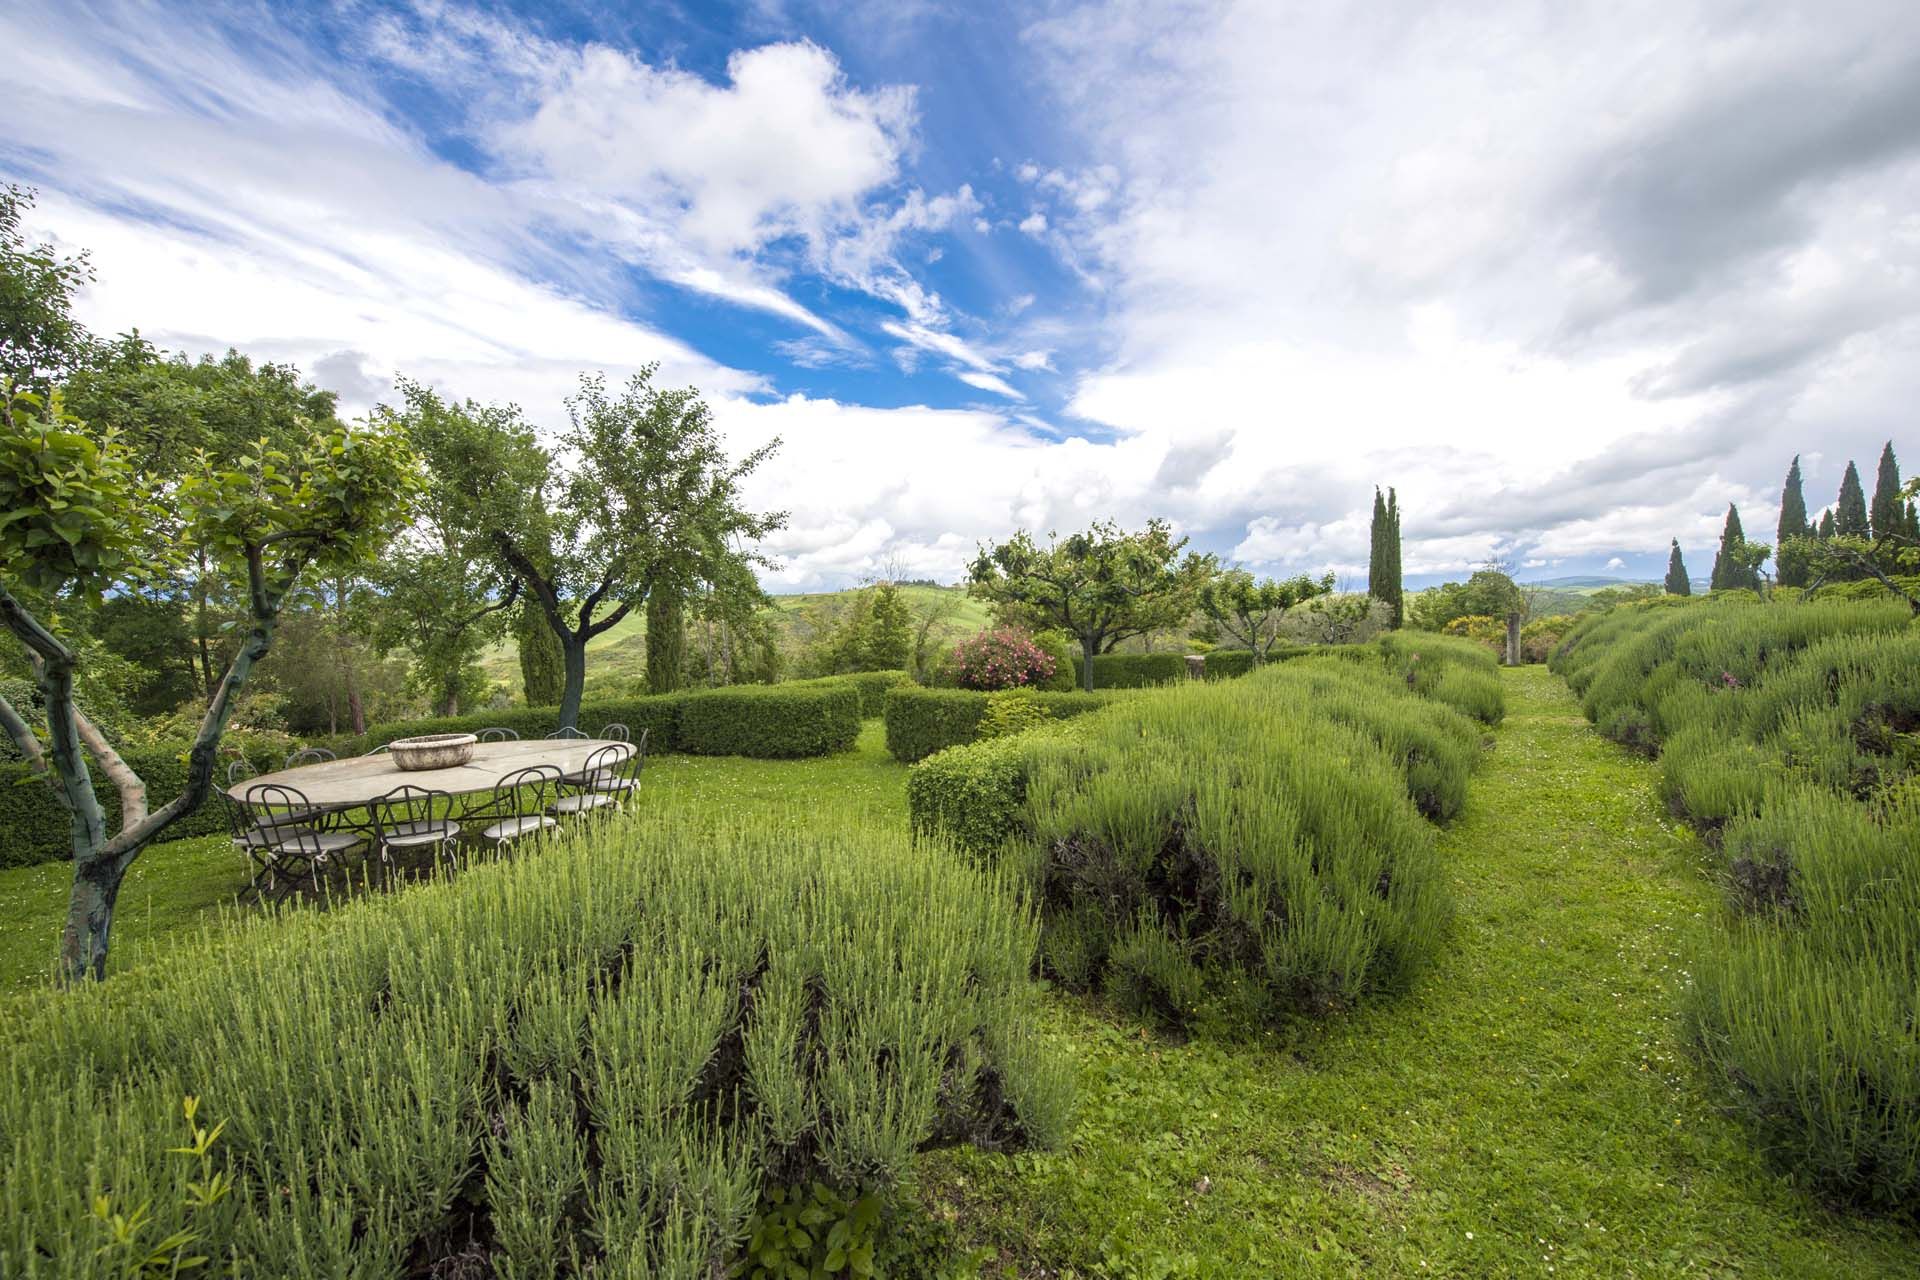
(34, 828)
(923, 721)
(1131, 670)
(658, 714)
(873, 686)
(771, 721)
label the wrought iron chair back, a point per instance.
(412, 817)
(617, 732)
(567, 731)
(497, 734)
(286, 844)
(309, 755)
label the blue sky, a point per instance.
(1571, 277)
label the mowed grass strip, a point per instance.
(1528, 1110)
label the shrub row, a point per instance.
(34, 827)
(771, 720)
(1789, 734)
(922, 721)
(1256, 850)
(871, 685)
(1145, 670)
(598, 1059)
(1451, 669)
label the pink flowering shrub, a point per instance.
(1006, 658)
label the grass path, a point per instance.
(1529, 1110)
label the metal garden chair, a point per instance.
(623, 779)
(566, 731)
(519, 805)
(583, 792)
(497, 734)
(290, 845)
(404, 819)
(617, 732)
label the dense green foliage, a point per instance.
(1790, 565)
(1132, 670)
(1448, 669)
(1100, 586)
(1247, 613)
(37, 827)
(39, 338)
(1736, 565)
(922, 721)
(608, 1052)
(1678, 584)
(1793, 733)
(1193, 852)
(1488, 593)
(770, 720)
(1384, 580)
(871, 685)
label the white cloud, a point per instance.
(1616, 563)
(1460, 277)
(1034, 360)
(1034, 224)
(990, 382)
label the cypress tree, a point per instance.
(1888, 515)
(1793, 524)
(666, 639)
(1727, 569)
(1396, 592)
(1376, 548)
(1826, 525)
(1677, 583)
(1850, 513)
(543, 671)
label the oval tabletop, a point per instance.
(358, 779)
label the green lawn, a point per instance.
(1529, 1110)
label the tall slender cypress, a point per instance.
(1677, 582)
(666, 638)
(1850, 513)
(542, 665)
(1825, 530)
(1793, 524)
(1888, 514)
(1377, 548)
(1396, 588)
(1728, 569)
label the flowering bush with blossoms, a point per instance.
(1006, 658)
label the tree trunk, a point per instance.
(83, 943)
(1088, 647)
(200, 628)
(100, 864)
(574, 652)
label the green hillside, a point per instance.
(619, 656)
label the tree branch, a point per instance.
(22, 734)
(506, 602)
(133, 792)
